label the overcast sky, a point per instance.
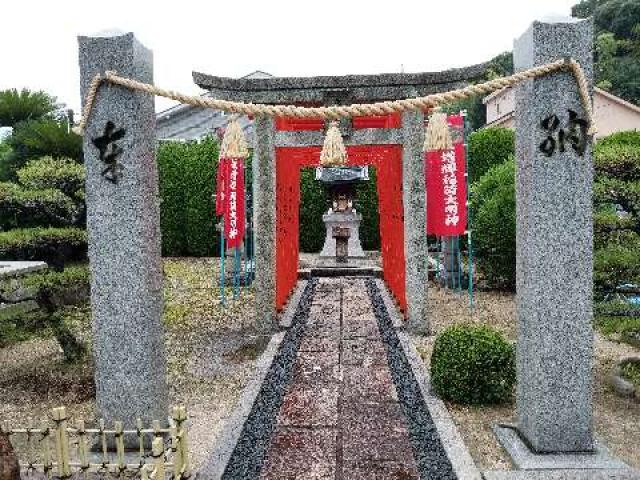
(38, 45)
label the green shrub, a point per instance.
(610, 228)
(626, 138)
(53, 173)
(615, 265)
(313, 204)
(473, 365)
(52, 245)
(489, 147)
(20, 208)
(621, 161)
(367, 205)
(187, 174)
(494, 225)
(55, 292)
(34, 139)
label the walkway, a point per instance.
(340, 418)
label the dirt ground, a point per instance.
(210, 358)
(617, 420)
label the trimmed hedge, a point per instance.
(494, 223)
(187, 174)
(473, 365)
(314, 203)
(615, 265)
(489, 147)
(52, 245)
(20, 208)
(53, 173)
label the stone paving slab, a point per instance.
(310, 406)
(316, 368)
(375, 432)
(368, 382)
(301, 454)
(363, 351)
(380, 471)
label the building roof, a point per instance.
(185, 122)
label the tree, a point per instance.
(617, 24)
(19, 106)
(34, 139)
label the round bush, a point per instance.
(473, 365)
(494, 224)
(61, 174)
(489, 147)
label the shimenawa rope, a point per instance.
(336, 112)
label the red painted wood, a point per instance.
(382, 121)
(288, 124)
(387, 159)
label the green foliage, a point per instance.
(615, 265)
(616, 197)
(21, 208)
(52, 245)
(18, 106)
(489, 147)
(493, 210)
(617, 16)
(367, 205)
(620, 328)
(473, 365)
(617, 65)
(53, 173)
(631, 371)
(187, 187)
(55, 283)
(34, 139)
(313, 204)
(54, 292)
(611, 228)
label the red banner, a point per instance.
(230, 199)
(446, 185)
(220, 186)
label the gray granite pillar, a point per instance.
(123, 223)
(264, 217)
(554, 245)
(415, 238)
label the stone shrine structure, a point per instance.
(340, 184)
(554, 218)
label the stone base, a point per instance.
(523, 458)
(344, 220)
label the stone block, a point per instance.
(415, 238)
(123, 225)
(554, 244)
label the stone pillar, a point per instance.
(264, 217)
(123, 224)
(415, 238)
(554, 246)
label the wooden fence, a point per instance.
(57, 448)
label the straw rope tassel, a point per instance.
(437, 135)
(334, 152)
(234, 143)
